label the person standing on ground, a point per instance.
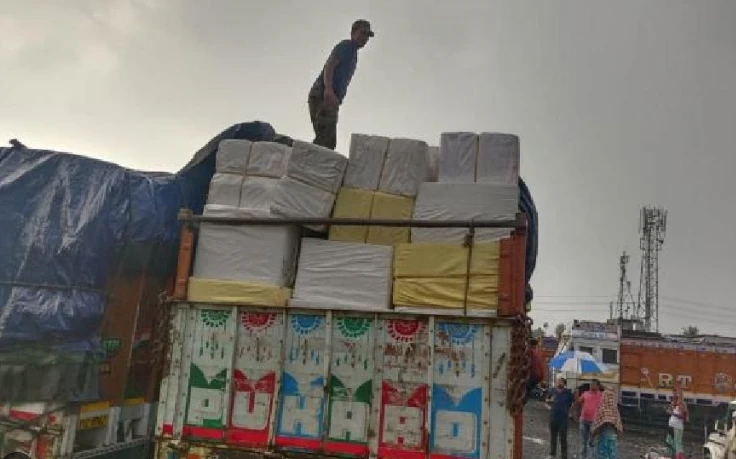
(607, 427)
(678, 418)
(328, 91)
(560, 401)
(589, 401)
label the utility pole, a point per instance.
(652, 229)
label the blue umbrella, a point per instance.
(577, 362)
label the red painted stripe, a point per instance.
(301, 443)
(245, 437)
(202, 432)
(22, 415)
(393, 453)
(353, 449)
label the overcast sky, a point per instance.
(618, 104)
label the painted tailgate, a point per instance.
(340, 383)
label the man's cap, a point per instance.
(363, 24)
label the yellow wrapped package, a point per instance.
(434, 275)
(390, 207)
(437, 292)
(351, 203)
(445, 260)
(236, 292)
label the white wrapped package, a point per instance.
(367, 156)
(258, 192)
(293, 198)
(268, 159)
(405, 167)
(498, 158)
(343, 275)
(316, 166)
(464, 201)
(265, 254)
(433, 162)
(225, 190)
(458, 156)
(232, 156)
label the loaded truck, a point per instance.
(105, 353)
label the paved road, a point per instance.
(633, 443)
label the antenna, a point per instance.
(652, 229)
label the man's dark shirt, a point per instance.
(346, 53)
(561, 402)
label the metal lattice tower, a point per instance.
(652, 229)
(624, 308)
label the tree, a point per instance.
(559, 330)
(690, 331)
(538, 333)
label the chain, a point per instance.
(161, 335)
(519, 364)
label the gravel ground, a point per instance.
(632, 444)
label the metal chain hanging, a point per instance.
(520, 364)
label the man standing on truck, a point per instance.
(589, 401)
(328, 91)
(560, 401)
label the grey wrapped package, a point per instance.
(316, 166)
(225, 190)
(405, 167)
(232, 156)
(258, 192)
(367, 157)
(264, 254)
(268, 159)
(343, 275)
(292, 198)
(458, 156)
(498, 158)
(464, 201)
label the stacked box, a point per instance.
(243, 263)
(313, 176)
(343, 275)
(266, 165)
(464, 201)
(490, 157)
(434, 277)
(230, 168)
(382, 178)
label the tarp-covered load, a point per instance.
(72, 227)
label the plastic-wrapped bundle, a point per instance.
(225, 189)
(296, 199)
(367, 157)
(405, 167)
(343, 275)
(258, 192)
(232, 156)
(316, 166)
(464, 201)
(498, 159)
(458, 157)
(268, 159)
(263, 254)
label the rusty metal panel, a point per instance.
(352, 370)
(459, 391)
(404, 390)
(301, 406)
(171, 382)
(210, 367)
(256, 377)
(501, 441)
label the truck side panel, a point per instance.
(350, 384)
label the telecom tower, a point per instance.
(624, 308)
(652, 228)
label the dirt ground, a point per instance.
(635, 441)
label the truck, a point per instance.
(102, 356)
(644, 368)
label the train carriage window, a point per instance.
(610, 356)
